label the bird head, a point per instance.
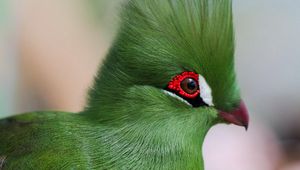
(171, 65)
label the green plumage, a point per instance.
(129, 122)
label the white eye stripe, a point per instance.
(177, 97)
(205, 91)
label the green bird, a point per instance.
(167, 79)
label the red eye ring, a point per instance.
(175, 84)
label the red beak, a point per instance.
(239, 116)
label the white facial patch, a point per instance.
(205, 91)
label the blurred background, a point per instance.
(50, 51)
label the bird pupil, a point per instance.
(191, 84)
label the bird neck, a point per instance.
(140, 147)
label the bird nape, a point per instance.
(167, 79)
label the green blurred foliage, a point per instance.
(105, 13)
(5, 81)
(3, 12)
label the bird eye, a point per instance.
(190, 88)
(185, 85)
(189, 85)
